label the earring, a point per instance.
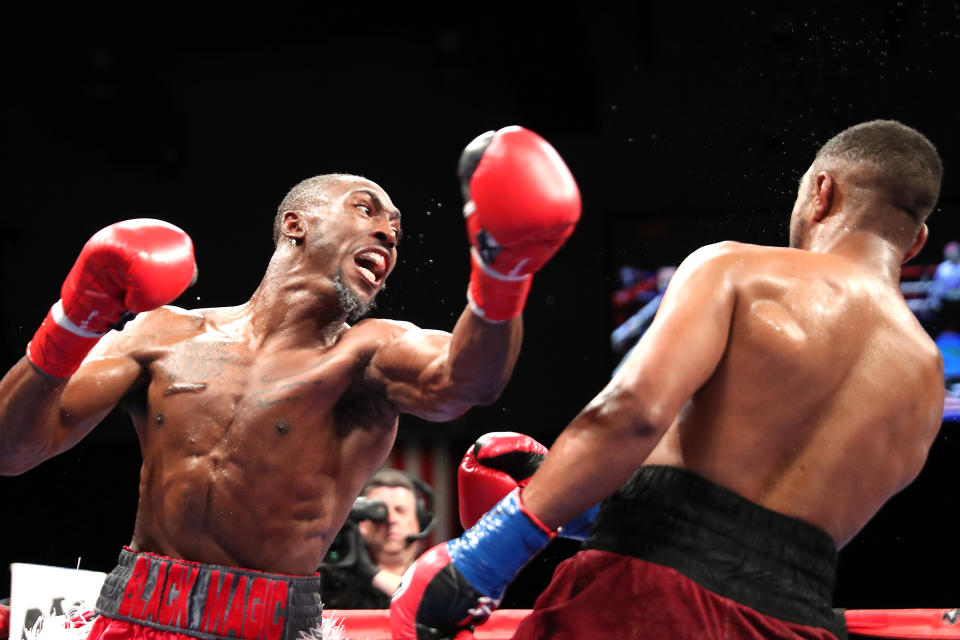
(293, 241)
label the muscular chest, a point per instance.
(215, 391)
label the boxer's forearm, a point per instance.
(482, 355)
(591, 459)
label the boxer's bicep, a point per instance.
(107, 374)
(45, 416)
(100, 386)
(413, 368)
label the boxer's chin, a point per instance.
(351, 302)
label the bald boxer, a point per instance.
(260, 423)
(779, 398)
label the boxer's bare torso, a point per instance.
(252, 456)
(797, 377)
(825, 400)
(259, 424)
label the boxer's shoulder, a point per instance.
(384, 326)
(747, 264)
(375, 333)
(153, 329)
(720, 255)
(721, 261)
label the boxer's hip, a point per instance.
(209, 601)
(778, 565)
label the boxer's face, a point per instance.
(353, 237)
(391, 536)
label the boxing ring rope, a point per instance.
(951, 407)
(877, 623)
(374, 624)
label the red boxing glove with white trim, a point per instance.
(128, 267)
(493, 466)
(522, 203)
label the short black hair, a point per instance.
(891, 157)
(304, 195)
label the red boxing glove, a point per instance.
(126, 268)
(432, 589)
(522, 203)
(496, 464)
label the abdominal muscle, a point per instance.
(270, 504)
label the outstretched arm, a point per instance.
(615, 432)
(521, 205)
(55, 395)
(454, 584)
(438, 375)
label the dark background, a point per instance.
(684, 124)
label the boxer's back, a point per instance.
(826, 399)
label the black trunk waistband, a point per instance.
(208, 601)
(775, 564)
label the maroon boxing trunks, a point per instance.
(673, 555)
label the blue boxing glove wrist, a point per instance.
(491, 552)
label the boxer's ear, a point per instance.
(823, 193)
(918, 243)
(293, 226)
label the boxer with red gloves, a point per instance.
(493, 466)
(259, 423)
(459, 583)
(126, 268)
(496, 464)
(521, 204)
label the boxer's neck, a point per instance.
(876, 253)
(293, 307)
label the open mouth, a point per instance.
(372, 265)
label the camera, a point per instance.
(343, 549)
(368, 509)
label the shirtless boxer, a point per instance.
(780, 397)
(260, 423)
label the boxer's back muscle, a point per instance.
(824, 402)
(252, 457)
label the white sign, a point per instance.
(53, 593)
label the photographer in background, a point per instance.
(382, 537)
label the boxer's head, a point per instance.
(884, 174)
(347, 228)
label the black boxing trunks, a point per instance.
(673, 555)
(153, 597)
